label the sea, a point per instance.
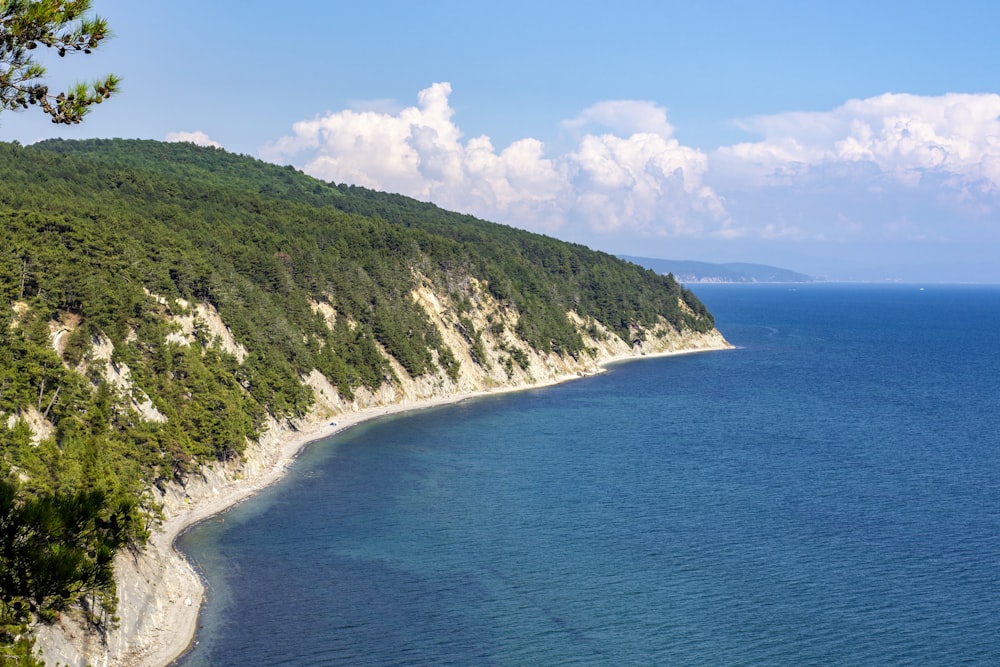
(826, 493)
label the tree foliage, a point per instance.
(109, 244)
(58, 549)
(63, 27)
(93, 228)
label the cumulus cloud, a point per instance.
(626, 173)
(197, 137)
(892, 167)
(624, 117)
(644, 181)
(953, 138)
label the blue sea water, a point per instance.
(826, 493)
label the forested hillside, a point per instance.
(113, 256)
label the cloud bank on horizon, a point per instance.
(903, 160)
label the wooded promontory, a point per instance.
(163, 304)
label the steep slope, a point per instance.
(168, 312)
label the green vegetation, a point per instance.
(64, 27)
(56, 550)
(104, 245)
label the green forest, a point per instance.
(103, 240)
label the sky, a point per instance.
(846, 140)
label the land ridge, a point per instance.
(167, 310)
(689, 271)
(161, 593)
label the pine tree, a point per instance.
(62, 25)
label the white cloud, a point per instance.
(644, 181)
(624, 117)
(898, 167)
(635, 178)
(198, 137)
(871, 170)
(907, 137)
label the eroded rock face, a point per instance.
(159, 593)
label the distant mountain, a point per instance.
(686, 271)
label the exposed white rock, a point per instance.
(155, 586)
(41, 428)
(19, 308)
(327, 311)
(203, 321)
(119, 376)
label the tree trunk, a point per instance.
(54, 397)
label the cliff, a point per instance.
(181, 320)
(159, 592)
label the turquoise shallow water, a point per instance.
(827, 493)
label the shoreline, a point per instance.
(161, 594)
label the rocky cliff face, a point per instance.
(159, 593)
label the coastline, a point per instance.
(160, 593)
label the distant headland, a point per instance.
(687, 271)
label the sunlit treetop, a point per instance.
(60, 25)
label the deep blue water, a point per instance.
(827, 493)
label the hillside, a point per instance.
(163, 307)
(688, 271)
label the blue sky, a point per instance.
(850, 140)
